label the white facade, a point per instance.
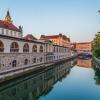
(17, 52)
(12, 33)
(14, 58)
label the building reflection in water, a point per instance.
(87, 63)
(35, 85)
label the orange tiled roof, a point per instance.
(9, 26)
(30, 37)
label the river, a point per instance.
(77, 79)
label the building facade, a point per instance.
(59, 39)
(83, 47)
(18, 52)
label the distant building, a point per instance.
(59, 39)
(82, 47)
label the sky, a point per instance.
(77, 19)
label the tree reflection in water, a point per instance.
(97, 75)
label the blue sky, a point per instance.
(78, 19)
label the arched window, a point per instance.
(14, 63)
(1, 46)
(25, 61)
(41, 48)
(34, 48)
(26, 47)
(14, 47)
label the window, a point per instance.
(26, 47)
(41, 59)
(41, 48)
(57, 49)
(54, 49)
(14, 47)
(15, 34)
(14, 63)
(1, 46)
(7, 32)
(2, 31)
(26, 62)
(11, 33)
(34, 60)
(34, 48)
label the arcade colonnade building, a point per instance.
(17, 51)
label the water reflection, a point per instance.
(87, 63)
(35, 85)
(97, 75)
(79, 83)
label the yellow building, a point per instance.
(82, 47)
(59, 39)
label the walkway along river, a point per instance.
(76, 79)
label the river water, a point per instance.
(76, 79)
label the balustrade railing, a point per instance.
(25, 50)
(14, 50)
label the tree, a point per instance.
(96, 41)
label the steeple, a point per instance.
(8, 14)
(8, 18)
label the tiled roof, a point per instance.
(55, 36)
(30, 37)
(9, 26)
(84, 43)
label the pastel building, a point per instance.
(59, 39)
(82, 47)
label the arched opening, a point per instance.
(14, 63)
(41, 48)
(26, 47)
(34, 48)
(1, 46)
(14, 47)
(25, 61)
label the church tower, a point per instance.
(8, 18)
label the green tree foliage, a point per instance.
(96, 52)
(96, 45)
(96, 41)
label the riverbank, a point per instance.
(97, 61)
(20, 71)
